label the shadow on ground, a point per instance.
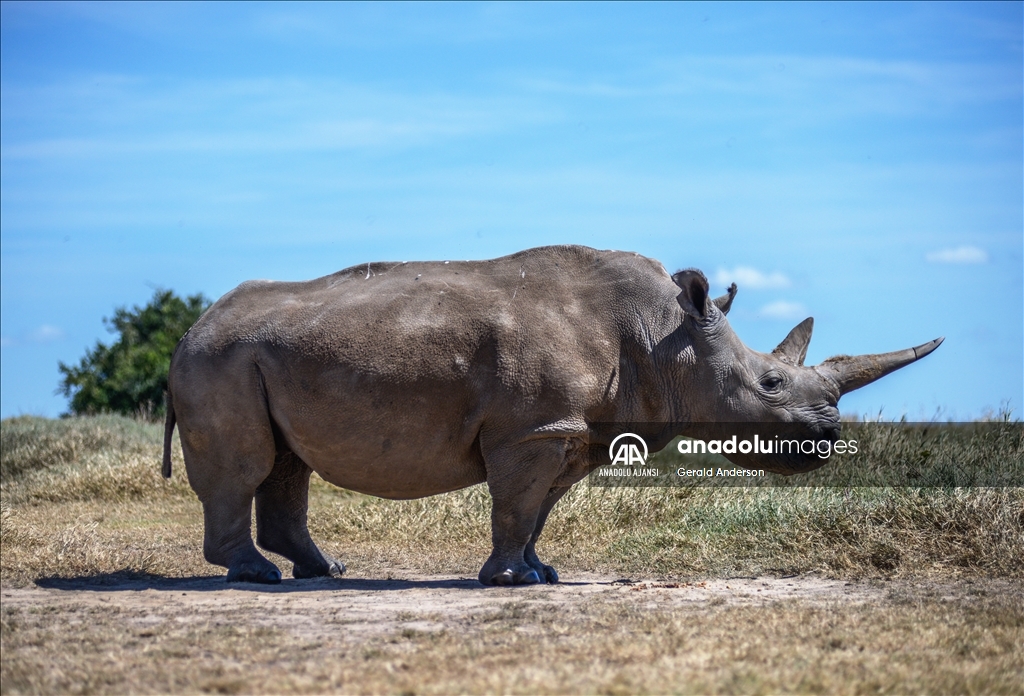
(129, 581)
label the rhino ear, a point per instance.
(724, 303)
(694, 296)
(793, 348)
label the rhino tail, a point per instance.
(168, 432)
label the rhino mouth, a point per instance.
(786, 449)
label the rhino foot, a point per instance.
(328, 568)
(528, 576)
(546, 572)
(549, 574)
(265, 573)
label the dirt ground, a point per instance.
(423, 634)
(315, 609)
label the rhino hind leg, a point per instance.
(282, 502)
(518, 513)
(225, 477)
(227, 540)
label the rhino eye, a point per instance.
(772, 382)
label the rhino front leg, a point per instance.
(546, 572)
(520, 478)
(282, 503)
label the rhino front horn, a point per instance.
(854, 372)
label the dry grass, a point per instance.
(85, 495)
(83, 498)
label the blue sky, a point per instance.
(859, 163)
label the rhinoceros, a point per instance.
(404, 380)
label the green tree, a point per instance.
(130, 376)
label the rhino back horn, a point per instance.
(793, 349)
(853, 372)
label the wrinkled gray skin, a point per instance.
(404, 380)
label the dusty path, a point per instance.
(313, 608)
(449, 634)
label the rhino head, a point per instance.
(773, 391)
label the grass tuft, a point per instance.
(97, 458)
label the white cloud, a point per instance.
(45, 334)
(781, 309)
(963, 254)
(751, 279)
